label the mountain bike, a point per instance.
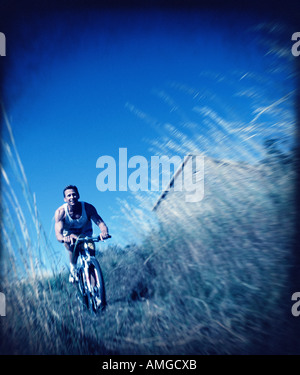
(90, 279)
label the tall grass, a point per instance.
(169, 295)
(23, 232)
(214, 282)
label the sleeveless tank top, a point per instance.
(77, 226)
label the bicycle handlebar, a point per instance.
(94, 239)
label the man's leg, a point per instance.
(73, 260)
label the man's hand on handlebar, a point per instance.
(104, 236)
(71, 239)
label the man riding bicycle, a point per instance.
(74, 218)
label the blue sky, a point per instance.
(83, 85)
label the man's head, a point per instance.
(71, 194)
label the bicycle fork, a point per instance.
(95, 274)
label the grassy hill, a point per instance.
(219, 286)
(164, 297)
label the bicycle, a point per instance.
(90, 279)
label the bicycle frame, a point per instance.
(85, 261)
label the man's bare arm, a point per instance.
(59, 225)
(97, 219)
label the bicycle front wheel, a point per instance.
(97, 283)
(84, 289)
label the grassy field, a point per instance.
(167, 296)
(214, 288)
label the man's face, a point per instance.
(71, 197)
